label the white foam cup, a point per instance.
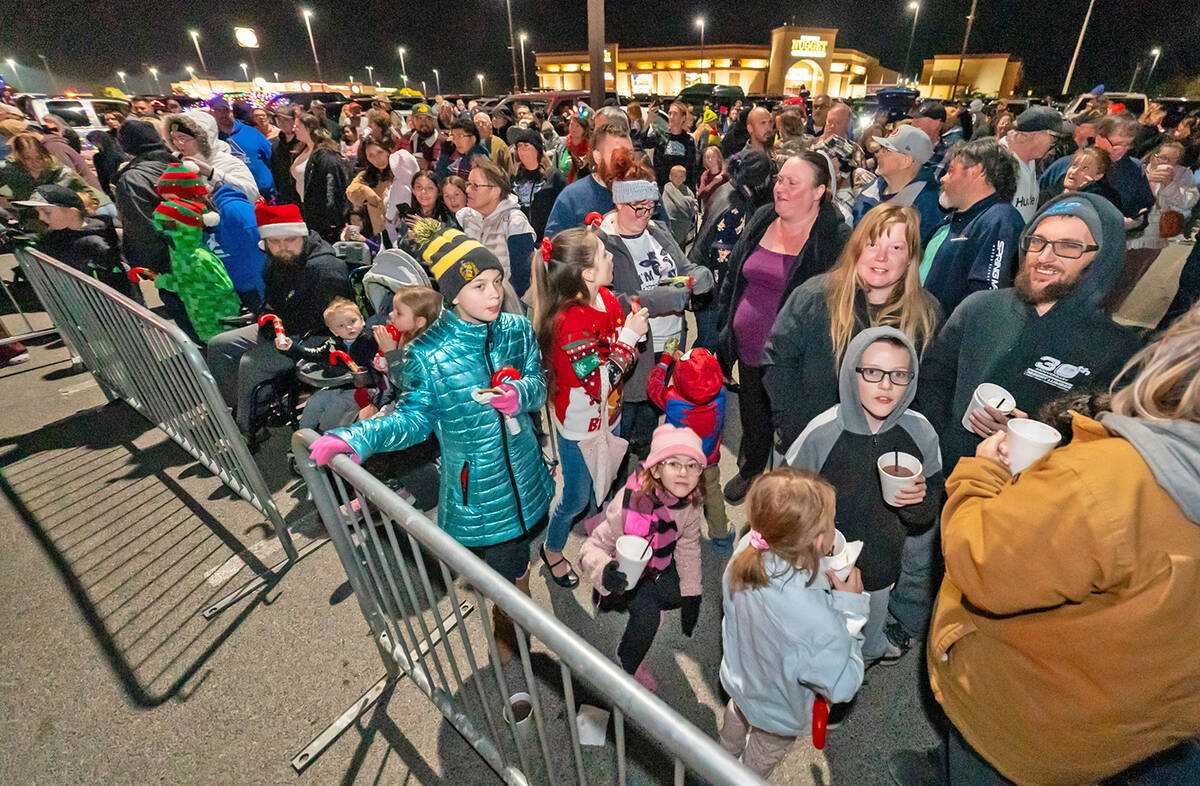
(989, 395)
(1028, 441)
(891, 484)
(632, 556)
(523, 719)
(838, 561)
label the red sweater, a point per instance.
(590, 342)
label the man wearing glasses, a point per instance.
(1046, 337)
(1115, 134)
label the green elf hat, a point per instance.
(182, 181)
(455, 260)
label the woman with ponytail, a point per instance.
(789, 633)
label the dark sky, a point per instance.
(87, 42)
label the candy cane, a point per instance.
(820, 721)
(392, 331)
(502, 375)
(265, 318)
(137, 273)
(337, 354)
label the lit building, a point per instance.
(991, 74)
(795, 57)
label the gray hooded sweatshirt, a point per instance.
(1171, 448)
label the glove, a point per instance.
(327, 446)
(507, 402)
(613, 579)
(690, 607)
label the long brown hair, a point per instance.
(558, 284)
(907, 309)
(317, 131)
(425, 303)
(789, 508)
(1167, 383)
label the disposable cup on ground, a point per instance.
(891, 484)
(633, 553)
(1028, 441)
(520, 712)
(989, 395)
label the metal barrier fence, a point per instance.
(393, 555)
(155, 368)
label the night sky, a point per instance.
(87, 42)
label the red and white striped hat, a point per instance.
(279, 221)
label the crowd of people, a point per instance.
(855, 292)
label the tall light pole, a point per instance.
(512, 47)
(963, 54)
(49, 73)
(524, 72)
(312, 43)
(480, 78)
(276, 75)
(245, 71)
(157, 84)
(371, 75)
(916, 9)
(121, 74)
(195, 34)
(438, 78)
(403, 71)
(12, 66)
(1078, 44)
(424, 89)
(191, 73)
(700, 24)
(1156, 52)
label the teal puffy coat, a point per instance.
(495, 485)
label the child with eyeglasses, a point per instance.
(664, 505)
(876, 384)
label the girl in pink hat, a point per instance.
(663, 505)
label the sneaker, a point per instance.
(897, 635)
(838, 714)
(735, 489)
(915, 768)
(14, 360)
(724, 544)
(645, 678)
(891, 654)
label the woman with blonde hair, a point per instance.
(1063, 643)
(876, 282)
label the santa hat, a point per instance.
(279, 221)
(182, 181)
(188, 213)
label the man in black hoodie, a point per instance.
(302, 276)
(1046, 336)
(137, 198)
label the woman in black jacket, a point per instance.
(535, 181)
(784, 244)
(322, 185)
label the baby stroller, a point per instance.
(392, 269)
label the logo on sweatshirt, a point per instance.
(1056, 373)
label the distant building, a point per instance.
(991, 74)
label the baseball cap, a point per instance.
(932, 109)
(51, 195)
(909, 140)
(1039, 118)
(422, 110)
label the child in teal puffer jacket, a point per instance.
(495, 487)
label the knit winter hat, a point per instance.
(455, 260)
(698, 376)
(1065, 205)
(517, 134)
(279, 221)
(138, 137)
(670, 441)
(183, 181)
(190, 214)
(626, 191)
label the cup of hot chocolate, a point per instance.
(897, 471)
(1028, 441)
(988, 395)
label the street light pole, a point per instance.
(195, 34)
(245, 71)
(595, 15)
(157, 84)
(438, 77)
(12, 66)
(403, 70)
(1156, 52)
(371, 75)
(512, 47)
(1079, 43)
(700, 24)
(524, 71)
(963, 54)
(480, 78)
(312, 43)
(916, 9)
(49, 73)
(121, 74)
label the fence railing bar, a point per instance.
(531, 683)
(502, 684)
(419, 558)
(568, 681)
(619, 734)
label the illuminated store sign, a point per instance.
(809, 45)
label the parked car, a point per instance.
(1135, 103)
(82, 113)
(716, 95)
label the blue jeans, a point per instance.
(638, 421)
(913, 593)
(706, 326)
(874, 641)
(577, 494)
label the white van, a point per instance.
(82, 113)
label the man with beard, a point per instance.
(1046, 336)
(422, 139)
(591, 194)
(302, 276)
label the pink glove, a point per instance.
(507, 402)
(324, 448)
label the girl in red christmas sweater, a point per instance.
(588, 345)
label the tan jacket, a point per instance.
(358, 192)
(1065, 640)
(498, 152)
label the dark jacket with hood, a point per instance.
(94, 250)
(282, 159)
(299, 296)
(136, 196)
(825, 241)
(997, 337)
(977, 252)
(799, 355)
(921, 194)
(536, 194)
(840, 445)
(325, 207)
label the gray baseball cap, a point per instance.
(909, 140)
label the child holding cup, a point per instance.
(884, 461)
(663, 506)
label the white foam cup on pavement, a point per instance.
(1028, 441)
(989, 395)
(891, 484)
(520, 712)
(632, 555)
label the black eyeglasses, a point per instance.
(1067, 249)
(897, 376)
(641, 212)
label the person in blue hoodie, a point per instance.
(235, 242)
(247, 144)
(903, 180)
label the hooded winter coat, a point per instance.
(494, 485)
(136, 195)
(506, 232)
(299, 297)
(228, 170)
(1063, 644)
(325, 207)
(840, 445)
(997, 337)
(248, 145)
(235, 241)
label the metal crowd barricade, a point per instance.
(393, 556)
(155, 368)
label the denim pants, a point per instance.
(874, 640)
(913, 593)
(638, 421)
(576, 495)
(706, 327)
